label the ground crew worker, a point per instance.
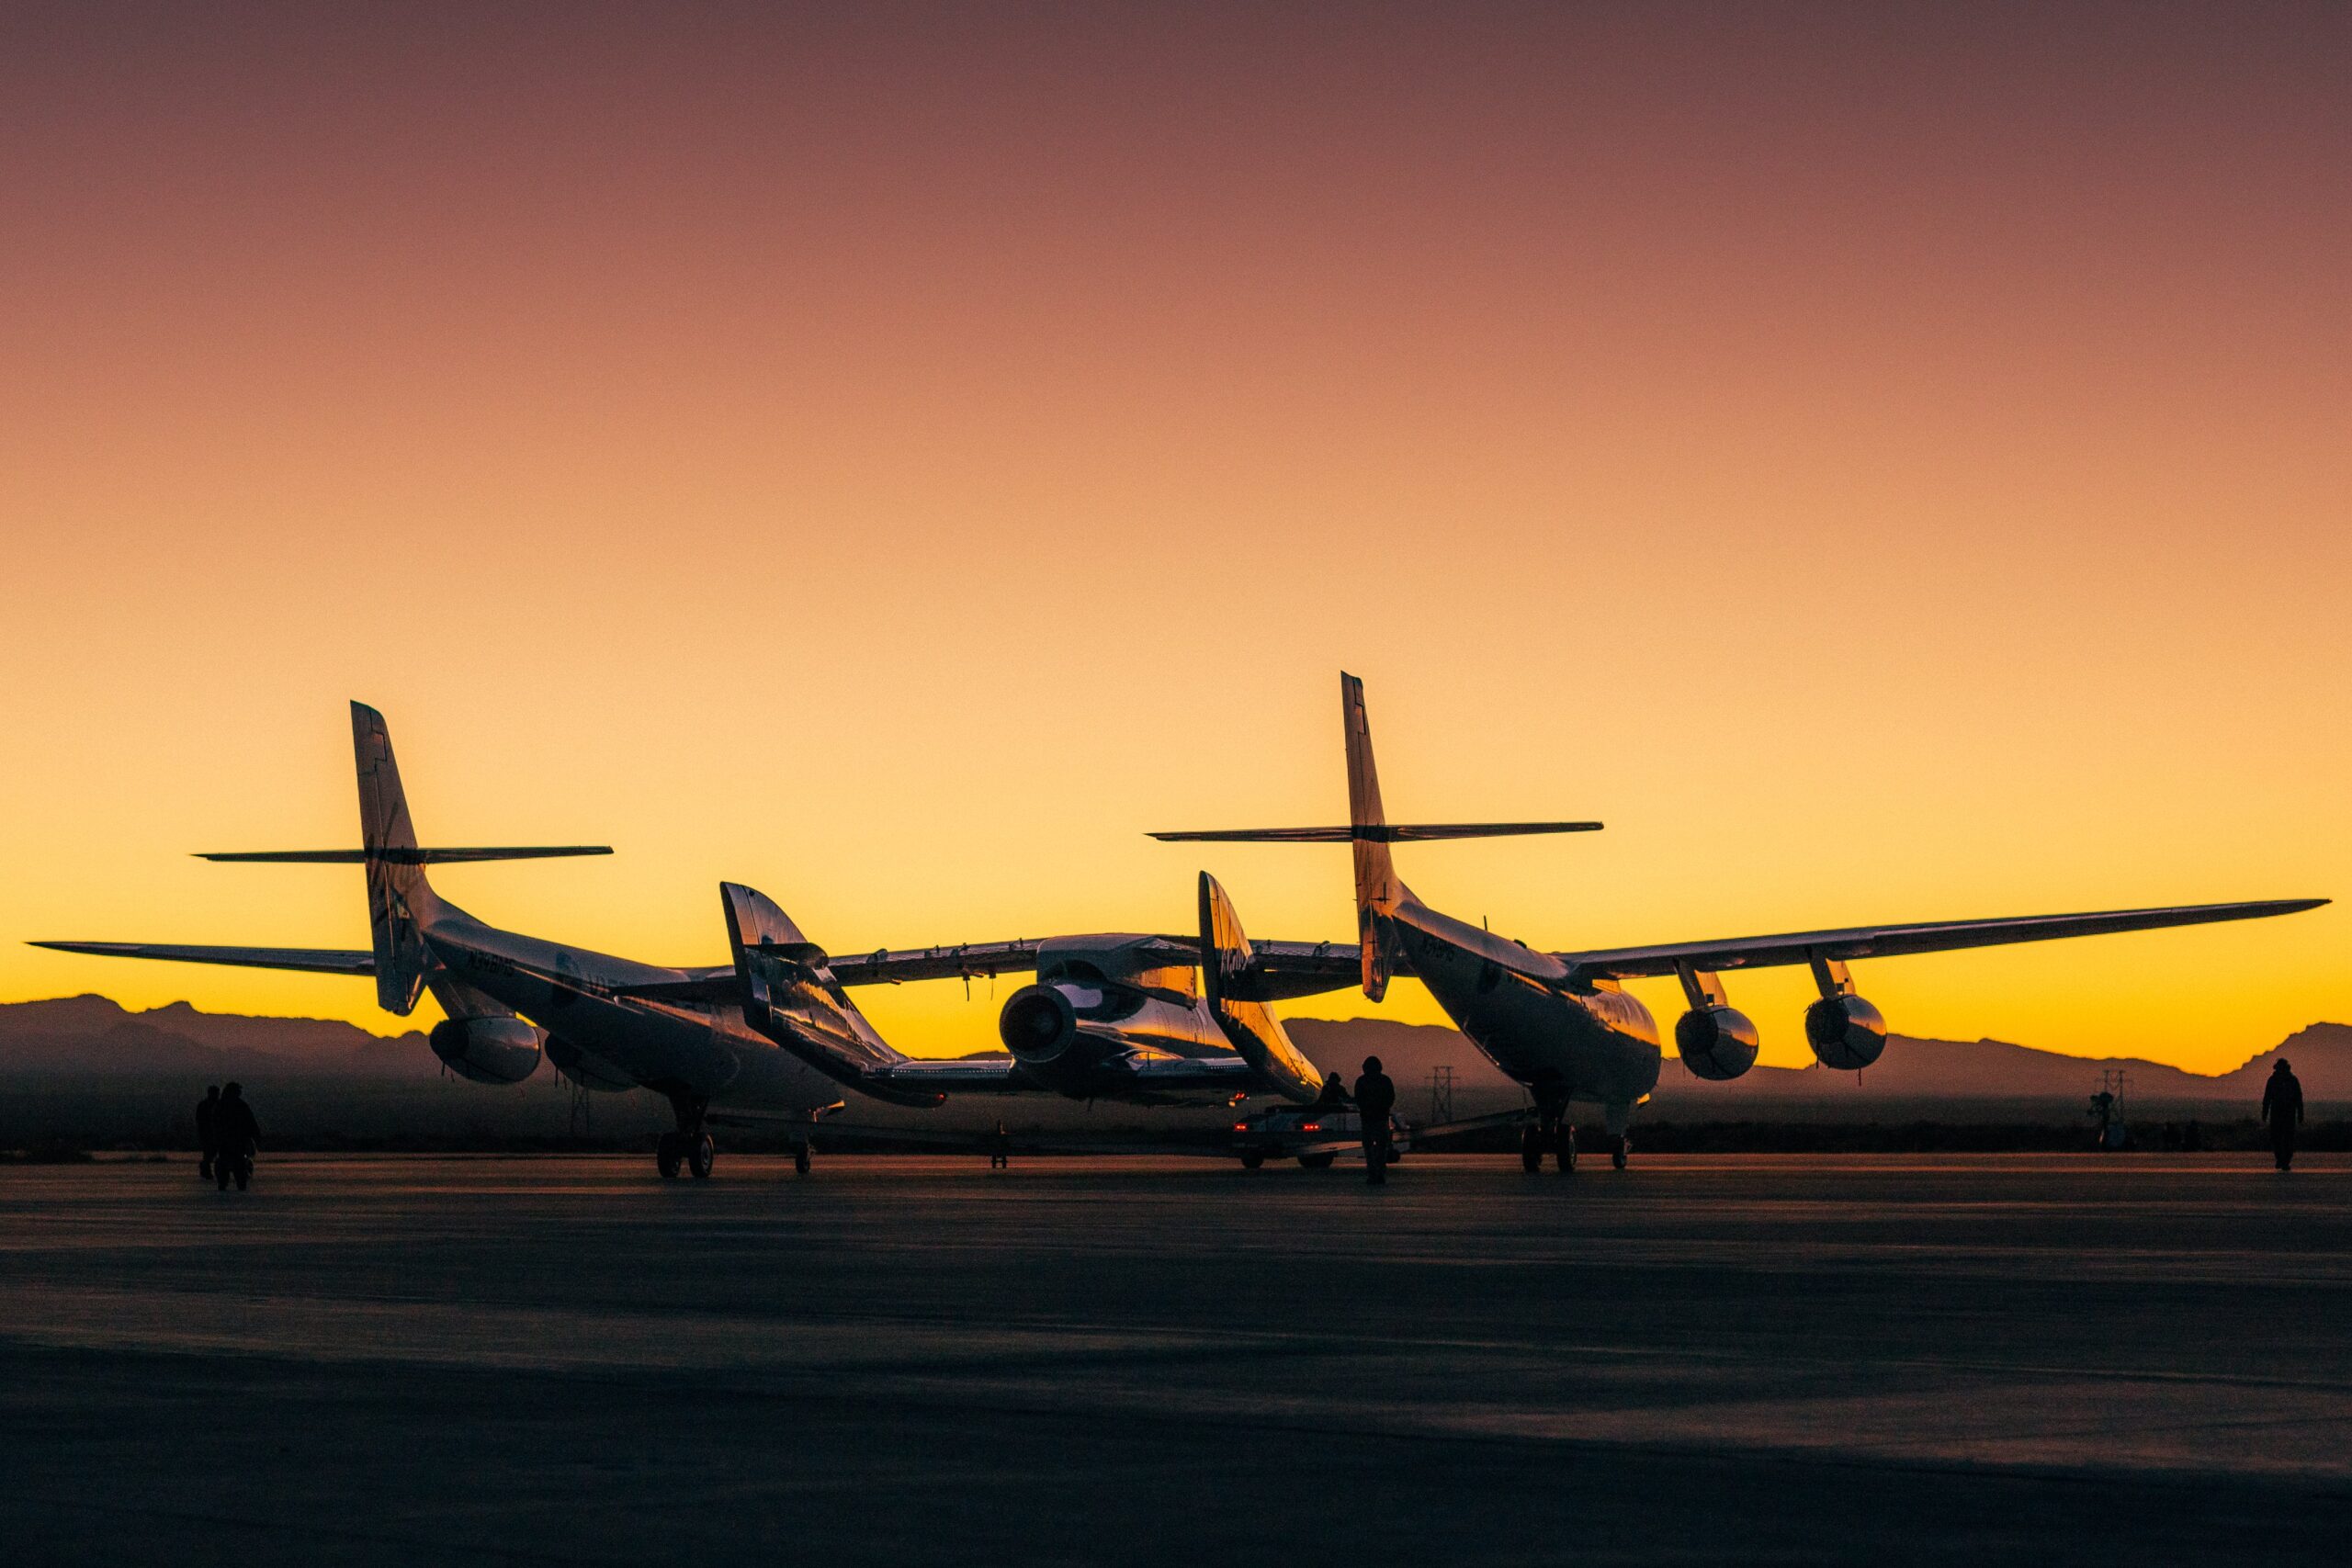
(2282, 1107)
(207, 1135)
(1374, 1097)
(1335, 1093)
(239, 1135)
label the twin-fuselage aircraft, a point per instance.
(1153, 1020)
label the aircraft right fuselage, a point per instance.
(1601, 1046)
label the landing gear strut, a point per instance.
(1619, 1120)
(690, 1146)
(1551, 1133)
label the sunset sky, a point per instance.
(1889, 463)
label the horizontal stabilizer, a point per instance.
(396, 856)
(1375, 833)
(315, 960)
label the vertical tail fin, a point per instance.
(1378, 892)
(1249, 1025)
(399, 898)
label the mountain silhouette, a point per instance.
(92, 1036)
(1911, 1073)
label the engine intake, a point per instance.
(488, 1050)
(1039, 1024)
(1717, 1042)
(1845, 1033)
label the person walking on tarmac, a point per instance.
(239, 1135)
(1375, 1097)
(208, 1132)
(2282, 1107)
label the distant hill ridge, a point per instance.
(95, 1035)
(1911, 1070)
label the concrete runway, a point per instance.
(1724, 1359)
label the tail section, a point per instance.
(1249, 1025)
(787, 988)
(401, 902)
(399, 898)
(1379, 892)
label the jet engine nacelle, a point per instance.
(488, 1050)
(1717, 1042)
(1039, 1023)
(1040, 1026)
(1845, 1033)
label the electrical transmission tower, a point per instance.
(1441, 1092)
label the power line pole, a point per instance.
(1441, 1092)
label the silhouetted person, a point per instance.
(999, 1148)
(2282, 1107)
(1376, 1096)
(239, 1135)
(2103, 1113)
(207, 1136)
(1335, 1093)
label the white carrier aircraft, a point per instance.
(1560, 1024)
(769, 1037)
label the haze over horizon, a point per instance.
(1887, 463)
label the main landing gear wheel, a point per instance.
(667, 1154)
(1564, 1149)
(1316, 1162)
(700, 1154)
(1530, 1149)
(800, 1158)
(1622, 1152)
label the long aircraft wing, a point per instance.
(1283, 968)
(316, 960)
(994, 1075)
(1886, 942)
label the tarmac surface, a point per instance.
(1700, 1359)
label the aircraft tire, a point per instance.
(1316, 1162)
(800, 1158)
(1622, 1153)
(1564, 1149)
(700, 1156)
(1530, 1149)
(665, 1157)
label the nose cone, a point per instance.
(1038, 1024)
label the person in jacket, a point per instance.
(1375, 1097)
(2282, 1107)
(239, 1135)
